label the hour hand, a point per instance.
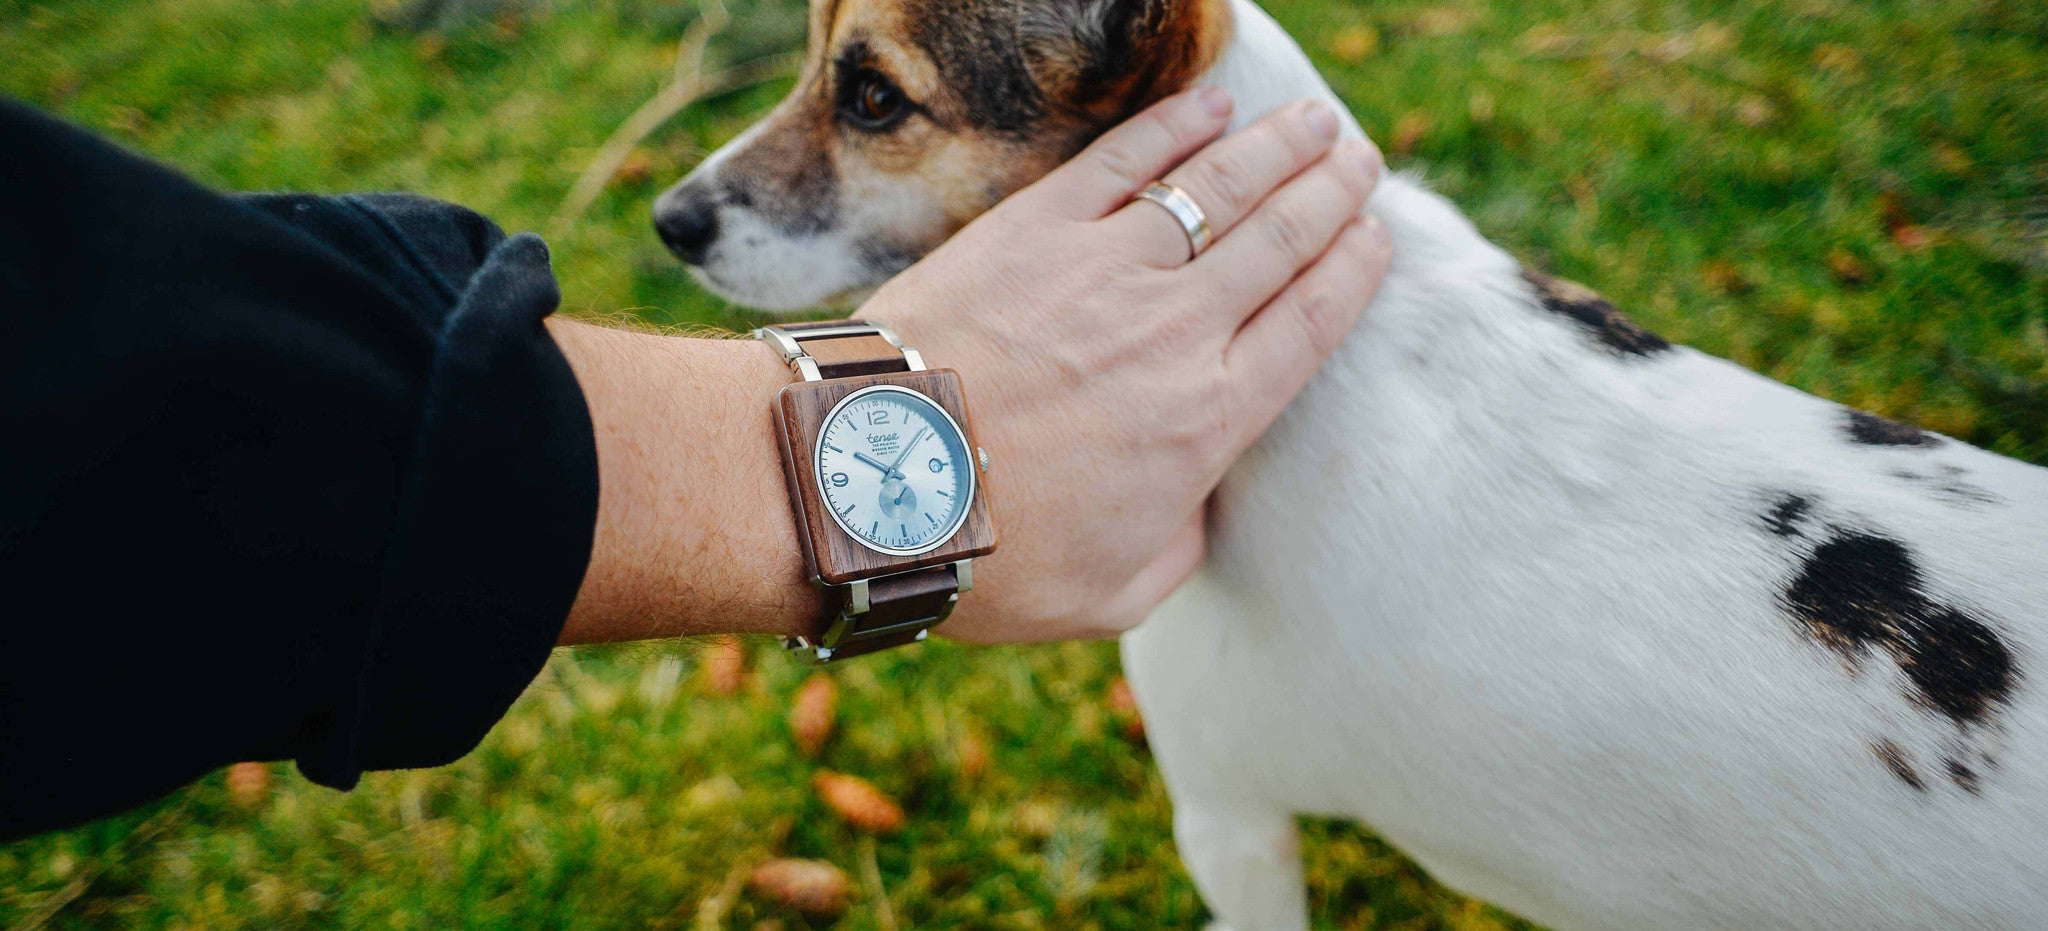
(877, 463)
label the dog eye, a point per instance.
(875, 104)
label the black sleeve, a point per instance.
(281, 476)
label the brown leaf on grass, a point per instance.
(635, 168)
(1408, 132)
(1755, 112)
(973, 751)
(1912, 237)
(859, 802)
(249, 783)
(1847, 268)
(812, 713)
(1725, 277)
(505, 28)
(429, 46)
(1354, 45)
(1892, 209)
(1123, 706)
(1951, 159)
(725, 666)
(813, 887)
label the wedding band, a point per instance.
(1192, 220)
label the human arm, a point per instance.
(1111, 396)
(306, 477)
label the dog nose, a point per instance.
(688, 223)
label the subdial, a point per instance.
(899, 500)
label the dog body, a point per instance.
(1567, 616)
(1606, 631)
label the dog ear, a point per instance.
(1111, 58)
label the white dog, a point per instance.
(1606, 631)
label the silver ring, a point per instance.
(1192, 220)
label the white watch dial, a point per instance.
(895, 470)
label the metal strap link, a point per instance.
(790, 340)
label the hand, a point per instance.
(894, 467)
(1134, 366)
(888, 471)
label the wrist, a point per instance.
(695, 530)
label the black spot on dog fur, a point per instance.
(1787, 510)
(1593, 313)
(1951, 486)
(1859, 591)
(1963, 776)
(1871, 430)
(1895, 760)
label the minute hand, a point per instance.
(907, 447)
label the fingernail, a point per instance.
(1322, 119)
(1214, 99)
(1358, 155)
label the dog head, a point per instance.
(910, 118)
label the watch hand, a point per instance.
(907, 447)
(877, 463)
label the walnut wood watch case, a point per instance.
(831, 556)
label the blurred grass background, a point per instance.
(1848, 195)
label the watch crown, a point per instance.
(982, 454)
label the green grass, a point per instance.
(1848, 195)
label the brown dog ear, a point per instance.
(1108, 59)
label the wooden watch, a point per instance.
(886, 481)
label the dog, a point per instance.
(1604, 630)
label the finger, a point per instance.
(1271, 247)
(1283, 344)
(1230, 177)
(1107, 173)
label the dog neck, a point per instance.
(1452, 302)
(1264, 69)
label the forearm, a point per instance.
(695, 533)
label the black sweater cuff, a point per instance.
(493, 525)
(286, 476)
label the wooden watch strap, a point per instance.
(900, 609)
(849, 356)
(857, 355)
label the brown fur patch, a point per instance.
(1156, 49)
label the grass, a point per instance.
(1850, 196)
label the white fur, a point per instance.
(1507, 599)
